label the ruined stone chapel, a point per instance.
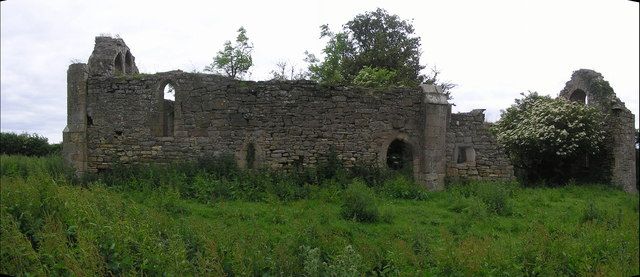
(117, 115)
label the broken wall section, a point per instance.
(472, 150)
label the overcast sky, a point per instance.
(493, 50)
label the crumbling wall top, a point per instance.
(589, 87)
(111, 57)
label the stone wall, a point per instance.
(286, 122)
(117, 115)
(473, 152)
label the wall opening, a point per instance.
(169, 92)
(164, 125)
(128, 62)
(399, 155)
(251, 156)
(118, 64)
(579, 96)
(466, 154)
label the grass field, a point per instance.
(190, 221)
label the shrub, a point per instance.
(545, 136)
(496, 198)
(332, 167)
(359, 203)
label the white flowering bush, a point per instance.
(545, 136)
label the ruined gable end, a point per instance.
(618, 160)
(111, 57)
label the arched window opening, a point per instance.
(117, 64)
(579, 96)
(399, 155)
(169, 92)
(167, 114)
(128, 62)
(251, 156)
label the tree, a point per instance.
(376, 42)
(26, 144)
(545, 136)
(234, 60)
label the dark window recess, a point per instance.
(89, 121)
(399, 155)
(579, 96)
(466, 154)
(251, 155)
(118, 64)
(298, 162)
(462, 155)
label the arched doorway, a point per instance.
(400, 155)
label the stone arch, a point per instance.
(128, 62)
(118, 64)
(399, 152)
(579, 96)
(164, 119)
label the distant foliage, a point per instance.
(545, 136)
(234, 60)
(26, 144)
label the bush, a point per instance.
(545, 137)
(359, 203)
(496, 198)
(26, 144)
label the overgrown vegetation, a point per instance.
(546, 137)
(26, 144)
(213, 219)
(374, 49)
(233, 60)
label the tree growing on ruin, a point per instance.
(234, 60)
(377, 47)
(545, 136)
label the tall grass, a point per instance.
(192, 221)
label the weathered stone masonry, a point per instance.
(472, 151)
(618, 161)
(116, 115)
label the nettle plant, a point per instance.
(546, 136)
